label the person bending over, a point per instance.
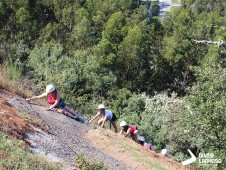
(106, 115)
(129, 130)
(141, 141)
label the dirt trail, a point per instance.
(61, 139)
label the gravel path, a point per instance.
(65, 139)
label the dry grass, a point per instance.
(129, 152)
(22, 87)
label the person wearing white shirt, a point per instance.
(105, 116)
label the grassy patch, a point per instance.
(17, 84)
(129, 152)
(84, 165)
(13, 156)
(138, 155)
(176, 1)
(158, 166)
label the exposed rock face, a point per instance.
(63, 139)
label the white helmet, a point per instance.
(50, 88)
(164, 151)
(101, 106)
(123, 123)
(141, 138)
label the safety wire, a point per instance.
(64, 122)
(52, 131)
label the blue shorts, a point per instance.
(61, 104)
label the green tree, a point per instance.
(46, 61)
(115, 29)
(128, 60)
(207, 99)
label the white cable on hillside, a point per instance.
(219, 43)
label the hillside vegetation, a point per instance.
(155, 74)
